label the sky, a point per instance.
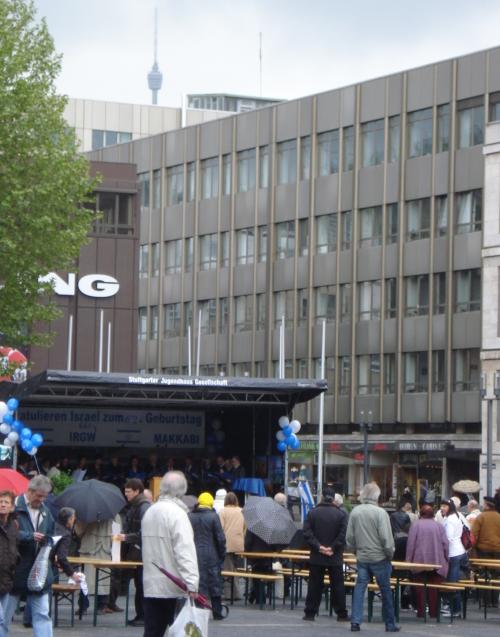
(212, 46)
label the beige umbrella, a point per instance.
(466, 486)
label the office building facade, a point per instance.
(361, 207)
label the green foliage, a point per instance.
(60, 482)
(43, 179)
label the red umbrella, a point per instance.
(201, 599)
(11, 480)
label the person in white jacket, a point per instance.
(167, 540)
(454, 523)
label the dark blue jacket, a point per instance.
(28, 548)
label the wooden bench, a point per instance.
(481, 585)
(263, 579)
(443, 589)
(62, 593)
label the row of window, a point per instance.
(291, 236)
(330, 159)
(102, 138)
(416, 376)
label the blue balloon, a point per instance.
(25, 433)
(12, 404)
(37, 440)
(290, 440)
(281, 446)
(27, 445)
(8, 419)
(17, 426)
(287, 431)
(295, 444)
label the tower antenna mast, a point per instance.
(155, 77)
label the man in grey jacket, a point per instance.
(369, 536)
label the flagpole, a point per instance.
(282, 375)
(321, 415)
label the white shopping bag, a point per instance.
(190, 622)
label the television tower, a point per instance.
(155, 77)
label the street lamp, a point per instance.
(365, 428)
(489, 425)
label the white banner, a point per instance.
(82, 427)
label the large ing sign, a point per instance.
(93, 285)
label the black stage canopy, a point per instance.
(134, 390)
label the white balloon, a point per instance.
(295, 425)
(4, 429)
(280, 435)
(13, 436)
(283, 422)
(33, 451)
(8, 443)
(3, 409)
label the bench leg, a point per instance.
(261, 585)
(370, 605)
(56, 609)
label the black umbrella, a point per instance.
(93, 500)
(269, 520)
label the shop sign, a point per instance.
(437, 445)
(82, 427)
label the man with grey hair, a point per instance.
(36, 526)
(369, 536)
(167, 540)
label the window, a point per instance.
(155, 259)
(394, 138)
(390, 298)
(372, 142)
(143, 261)
(226, 174)
(370, 226)
(116, 211)
(303, 237)
(175, 185)
(417, 295)
(438, 370)
(345, 375)
(191, 181)
(171, 320)
(326, 303)
(142, 324)
(153, 323)
(208, 252)
(369, 300)
(326, 234)
(302, 368)
(143, 179)
(329, 374)
(260, 300)
(285, 240)
(305, 157)
(302, 306)
(262, 237)
(494, 103)
(283, 307)
(328, 153)
(246, 170)
(264, 167)
(188, 254)
(102, 138)
(188, 316)
(243, 310)
(439, 293)
(418, 219)
(287, 162)
(443, 128)
(467, 290)
(348, 149)
(389, 373)
(245, 246)
(420, 133)
(223, 315)
(260, 369)
(156, 188)
(346, 229)
(469, 211)
(207, 370)
(416, 372)
(208, 310)
(470, 122)
(173, 256)
(210, 178)
(369, 374)
(345, 302)
(391, 223)
(466, 367)
(441, 216)
(224, 249)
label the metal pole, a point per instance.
(108, 353)
(198, 345)
(321, 415)
(101, 338)
(489, 449)
(362, 428)
(189, 350)
(70, 343)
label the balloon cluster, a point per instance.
(15, 430)
(287, 435)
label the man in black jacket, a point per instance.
(324, 531)
(131, 537)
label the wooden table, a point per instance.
(413, 568)
(103, 570)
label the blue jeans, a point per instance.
(42, 622)
(381, 571)
(3, 605)
(455, 565)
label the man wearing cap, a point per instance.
(324, 531)
(210, 543)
